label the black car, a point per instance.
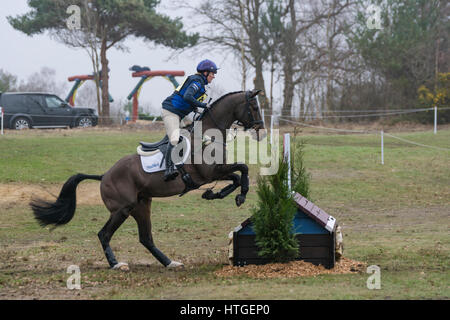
(43, 110)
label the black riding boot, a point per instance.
(171, 173)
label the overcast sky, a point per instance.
(22, 55)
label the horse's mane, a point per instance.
(223, 97)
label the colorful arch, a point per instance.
(146, 74)
(79, 80)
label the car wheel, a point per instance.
(84, 122)
(21, 123)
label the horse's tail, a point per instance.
(63, 209)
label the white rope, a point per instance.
(373, 114)
(379, 114)
(415, 143)
(325, 128)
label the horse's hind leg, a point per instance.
(114, 222)
(142, 216)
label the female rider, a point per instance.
(186, 98)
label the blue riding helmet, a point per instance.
(207, 65)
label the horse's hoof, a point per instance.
(174, 265)
(122, 266)
(240, 199)
(208, 195)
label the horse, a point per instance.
(126, 189)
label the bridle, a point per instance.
(250, 124)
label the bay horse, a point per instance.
(126, 189)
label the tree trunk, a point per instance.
(95, 66)
(288, 93)
(288, 89)
(259, 84)
(105, 120)
(272, 71)
(289, 51)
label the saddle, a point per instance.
(162, 147)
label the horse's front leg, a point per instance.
(244, 181)
(209, 195)
(240, 198)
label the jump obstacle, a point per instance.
(317, 233)
(146, 74)
(314, 230)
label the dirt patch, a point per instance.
(21, 194)
(291, 269)
(16, 194)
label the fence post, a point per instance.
(1, 115)
(271, 129)
(287, 156)
(435, 119)
(382, 148)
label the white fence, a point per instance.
(274, 118)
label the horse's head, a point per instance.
(248, 113)
(241, 107)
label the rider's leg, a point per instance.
(172, 125)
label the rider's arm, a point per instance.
(189, 95)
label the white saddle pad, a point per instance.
(154, 163)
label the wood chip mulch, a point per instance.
(292, 269)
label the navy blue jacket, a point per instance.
(189, 95)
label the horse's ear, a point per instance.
(255, 92)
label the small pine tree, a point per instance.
(273, 217)
(300, 177)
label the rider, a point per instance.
(186, 98)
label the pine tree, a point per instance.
(273, 217)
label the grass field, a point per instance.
(394, 215)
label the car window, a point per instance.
(12, 101)
(53, 102)
(34, 103)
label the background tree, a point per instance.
(236, 26)
(300, 60)
(43, 81)
(272, 31)
(7, 81)
(112, 22)
(408, 51)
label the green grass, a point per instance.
(56, 154)
(393, 215)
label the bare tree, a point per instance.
(43, 81)
(305, 48)
(235, 26)
(7, 81)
